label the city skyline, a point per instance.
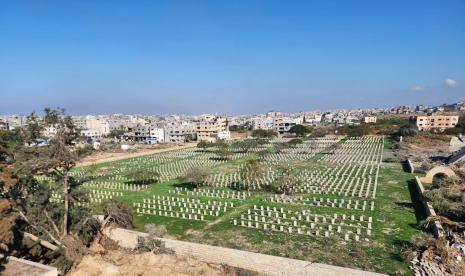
(244, 57)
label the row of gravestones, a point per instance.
(305, 222)
(323, 202)
(211, 193)
(183, 208)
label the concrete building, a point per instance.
(91, 133)
(49, 131)
(224, 135)
(92, 127)
(4, 126)
(262, 123)
(282, 125)
(179, 133)
(148, 134)
(369, 119)
(14, 121)
(209, 128)
(432, 121)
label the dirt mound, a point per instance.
(124, 263)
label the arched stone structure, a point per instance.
(437, 170)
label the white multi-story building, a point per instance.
(369, 119)
(224, 135)
(92, 127)
(262, 123)
(148, 134)
(14, 121)
(158, 134)
(91, 133)
(282, 125)
(209, 128)
(49, 131)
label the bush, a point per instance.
(408, 131)
(264, 133)
(156, 230)
(151, 244)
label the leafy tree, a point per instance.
(243, 127)
(57, 159)
(264, 133)
(116, 212)
(299, 130)
(84, 151)
(116, 133)
(246, 145)
(204, 145)
(222, 149)
(61, 227)
(354, 131)
(295, 142)
(194, 177)
(142, 175)
(409, 130)
(459, 128)
(253, 170)
(318, 132)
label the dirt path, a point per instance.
(115, 156)
(121, 263)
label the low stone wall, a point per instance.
(438, 231)
(261, 263)
(410, 167)
(18, 266)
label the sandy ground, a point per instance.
(122, 263)
(114, 156)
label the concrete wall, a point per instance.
(437, 170)
(410, 167)
(23, 267)
(261, 263)
(436, 227)
(457, 157)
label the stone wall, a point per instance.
(261, 263)
(23, 267)
(436, 227)
(410, 167)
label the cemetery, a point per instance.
(322, 199)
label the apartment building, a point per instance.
(432, 121)
(92, 127)
(282, 125)
(49, 131)
(14, 121)
(262, 123)
(179, 132)
(4, 126)
(369, 119)
(209, 128)
(148, 134)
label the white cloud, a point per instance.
(450, 82)
(416, 88)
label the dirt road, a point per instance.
(114, 156)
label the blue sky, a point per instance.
(158, 57)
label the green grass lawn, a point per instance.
(394, 222)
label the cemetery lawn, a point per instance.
(394, 224)
(394, 220)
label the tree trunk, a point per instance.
(66, 202)
(42, 242)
